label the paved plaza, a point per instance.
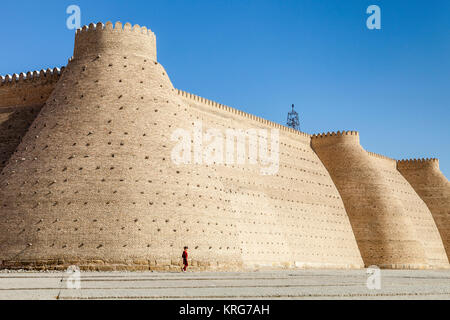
(295, 284)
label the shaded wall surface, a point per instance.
(92, 182)
(433, 187)
(21, 98)
(392, 225)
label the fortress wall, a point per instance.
(93, 182)
(415, 209)
(21, 98)
(392, 226)
(433, 187)
(295, 217)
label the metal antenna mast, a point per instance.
(293, 120)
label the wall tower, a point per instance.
(392, 225)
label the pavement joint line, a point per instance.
(256, 297)
(192, 287)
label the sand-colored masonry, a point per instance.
(89, 179)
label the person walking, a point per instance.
(185, 259)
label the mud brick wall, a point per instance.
(392, 225)
(433, 187)
(21, 98)
(88, 179)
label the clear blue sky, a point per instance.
(392, 85)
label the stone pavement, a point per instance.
(289, 284)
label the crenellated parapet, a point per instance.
(240, 113)
(379, 156)
(32, 76)
(330, 138)
(29, 89)
(118, 27)
(97, 39)
(418, 163)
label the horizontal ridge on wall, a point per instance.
(49, 74)
(118, 27)
(418, 163)
(239, 112)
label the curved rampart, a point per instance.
(433, 187)
(392, 225)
